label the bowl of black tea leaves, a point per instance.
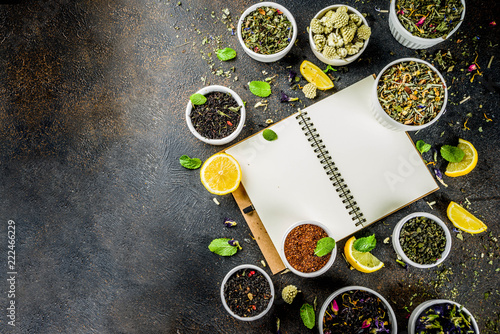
(247, 292)
(421, 240)
(215, 115)
(441, 316)
(356, 310)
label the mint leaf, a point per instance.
(324, 246)
(422, 146)
(260, 88)
(226, 54)
(222, 247)
(452, 153)
(198, 99)
(307, 315)
(269, 135)
(329, 68)
(190, 163)
(365, 244)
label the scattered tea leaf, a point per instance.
(222, 247)
(260, 88)
(422, 146)
(365, 244)
(329, 68)
(324, 246)
(269, 135)
(452, 153)
(307, 315)
(198, 99)
(190, 163)
(226, 54)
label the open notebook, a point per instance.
(332, 163)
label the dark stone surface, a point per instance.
(112, 233)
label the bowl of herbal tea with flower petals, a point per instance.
(409, 94)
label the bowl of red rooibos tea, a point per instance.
(307, 249)
(215, 115)
(247, 292)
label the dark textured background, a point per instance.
(112, 232)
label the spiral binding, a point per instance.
(329, 166)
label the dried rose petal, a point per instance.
(472, 67)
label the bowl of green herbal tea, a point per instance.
(215, 115)
(307, 249)
(409, 94)
(425, 23)
(356, 310)
(441, 316)
(267, 31)
(421, 240)
(247, 292)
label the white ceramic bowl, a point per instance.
(416, 312)
(276, 56)
(386, 120)
(397, 246)
(406, 38)
(314, 273)
(236, 132)
(229, 274)
(392, 316)
(336, 62)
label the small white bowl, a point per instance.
(386, 120)
(337, 62)
(229, 274)
(407, 39)
(416, 313)
(235, 133)
(276, 56)
(314, 273)
(399, 250)
(392, 316)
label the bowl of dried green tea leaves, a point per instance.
(421, 240)
(267, 31)
(409, 94)
(423, 24)
(338, 35)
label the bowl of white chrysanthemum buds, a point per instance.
(338, 35)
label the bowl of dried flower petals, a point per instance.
(338, 35)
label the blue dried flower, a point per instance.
(233, 242)
(229, 222)
(291, 75)
(286, 98)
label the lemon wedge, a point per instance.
(464, 220)
(315, 75)
(467, 164)
(363, 261)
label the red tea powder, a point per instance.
(300, 245)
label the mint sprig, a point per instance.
(189, 163)
(452, 153)
(307, 315)
(260, 88)
(269, 135)
(222, 247)
(324, 246)
(422, 146)
(365, 244)
(198, 99)
(226, 54)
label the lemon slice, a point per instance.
(468, 162)
(362, 261)
(464, 220)
(315, 75)
(220, 174)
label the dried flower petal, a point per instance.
(421, 21)
(229, 222)
(472, 67)
(335, 306)
(493, 23)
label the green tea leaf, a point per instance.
(324, 246)
(365, 244)
(269, 135)
(222, 247)
(329, 68)
(422, 146)
(190, 163)
(452, 153)
(226, 54)
(260, 88)
(307, 315)
(198, 99)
